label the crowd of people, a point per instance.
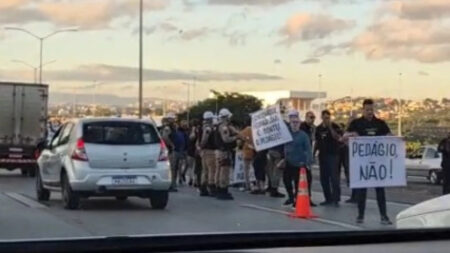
(203, 152)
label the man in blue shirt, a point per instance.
(297, 154)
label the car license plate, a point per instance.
(124, 180)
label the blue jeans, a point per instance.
(329, 177)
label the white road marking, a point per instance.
(25, 200)
(319, 220)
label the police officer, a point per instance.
(208, 154)
(226, 137)
(444, 148)
(369, 125)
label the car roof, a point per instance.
(112, 119)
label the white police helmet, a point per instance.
(225, 113)
(208, 115)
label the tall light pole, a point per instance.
(41, 42)
(35, 68)
(141, 53)
(400, 109)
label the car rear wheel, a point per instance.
(159, 199)
(32, 171)
(42, 194)
(23, 172)
(121, 198)
(70, 198)
(434, 177)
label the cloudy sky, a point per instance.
(359, 47)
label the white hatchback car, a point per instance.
(105, 157)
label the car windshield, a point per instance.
(119, 133)
(162, 117)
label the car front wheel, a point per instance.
(42, 194)
(70, 198)
(159, 199)
(434, 177)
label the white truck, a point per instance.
(23, 125)
(426, 162)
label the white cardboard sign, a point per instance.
(237, 175)
(377, 162)
(269, 129)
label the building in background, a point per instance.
(300, 100)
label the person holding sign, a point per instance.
(298, 153)
(328, 135)
(248, 151)
(369, 125)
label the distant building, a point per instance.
(299, 100)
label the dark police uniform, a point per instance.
(374, 127)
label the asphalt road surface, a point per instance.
(22, 217)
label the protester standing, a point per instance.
(444, 148)
(310, 129)
(168, 135)
(273, 171)
(259, 166)
(298, 154)
(208, 148)
(328, 135)
(248, 153)
(369, 125)
(226, 137)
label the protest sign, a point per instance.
(237, 174)
(377, 162)
(269, 129)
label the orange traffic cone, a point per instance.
(302, 205)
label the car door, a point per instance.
(59, 153)
(48, 158)
(413, 163)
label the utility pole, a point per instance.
(141, 54)
(400, 109)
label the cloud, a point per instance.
(86, 14)
(311, 61)
(111, 73)
(277, 61)
(419, 9)
(397, 39)
(423, 73)
(20, 16)
(304, 26)
(195, 33)
(10, 4)
(248, 2)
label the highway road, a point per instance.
(22, 217)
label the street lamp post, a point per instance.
(41, 42)
(35, 68)
(141, 53)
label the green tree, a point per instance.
(238, 104)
